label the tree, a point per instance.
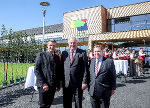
(18, 46)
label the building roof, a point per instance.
(48, 29)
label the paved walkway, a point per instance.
(135, 93)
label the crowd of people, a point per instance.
(136, 59)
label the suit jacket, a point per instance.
(74, 72)
(47, 69)
(106, 76)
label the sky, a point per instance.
(27, 14)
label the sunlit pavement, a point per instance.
(135, 93)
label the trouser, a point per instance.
(46, 97)
(102, 102)
(132, 68)
(69, 93)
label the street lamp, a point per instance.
(44, 6)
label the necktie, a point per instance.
(71, 57)
(52, 55)
(96, 67)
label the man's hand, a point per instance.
(84, 86)
(57, 89)
(45, 87)
(112, 92)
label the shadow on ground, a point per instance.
(9, 97)
(120, 85)
(59, 100)
(135, 81)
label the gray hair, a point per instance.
(72, 38)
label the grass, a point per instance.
(14, 70)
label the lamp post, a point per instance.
(44, 5)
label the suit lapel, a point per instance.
(74, 56)
(68, 58)
(47, 55)
(93, 67)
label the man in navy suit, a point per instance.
(74, 66)
(102, 79)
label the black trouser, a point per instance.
(70, 92)
(132, 68)
(46, 97)
(103, 102)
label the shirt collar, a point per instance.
(100, 60)
(73, 51)
(50, 52)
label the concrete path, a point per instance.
(135, 93)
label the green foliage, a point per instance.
(15, 70)
(18, 46)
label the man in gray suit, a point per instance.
(74, 67)
(102, 79)
(47, 71)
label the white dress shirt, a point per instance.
(74, 52)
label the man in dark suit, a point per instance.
(47, 71)
(74, 65)
(102, 79)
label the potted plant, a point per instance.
(11, 81)
(17, 79)
(21, 78)
(4, 83)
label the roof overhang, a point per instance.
(136, 35)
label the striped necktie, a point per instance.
(96, 67)
(71, 57)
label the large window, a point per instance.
(129, 23)
(122, 20)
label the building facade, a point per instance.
(129, 23)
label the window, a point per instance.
(148, 24)
(122, 27)
(85, 39)
(147, 16)
(129, 23)
(122, 20)
(138, 25)
(138, 18)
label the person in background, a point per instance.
(110, 53)
(127, 54)
(74, 64)
(142, 58)
(102, 79)
(115, 54)
(133, 57)
(106, 52)
(90, 55)
(142, 55)
(122, 55)
(47, 70)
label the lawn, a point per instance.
(14, 70)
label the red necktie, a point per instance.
(96, 68)
(71, 57)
